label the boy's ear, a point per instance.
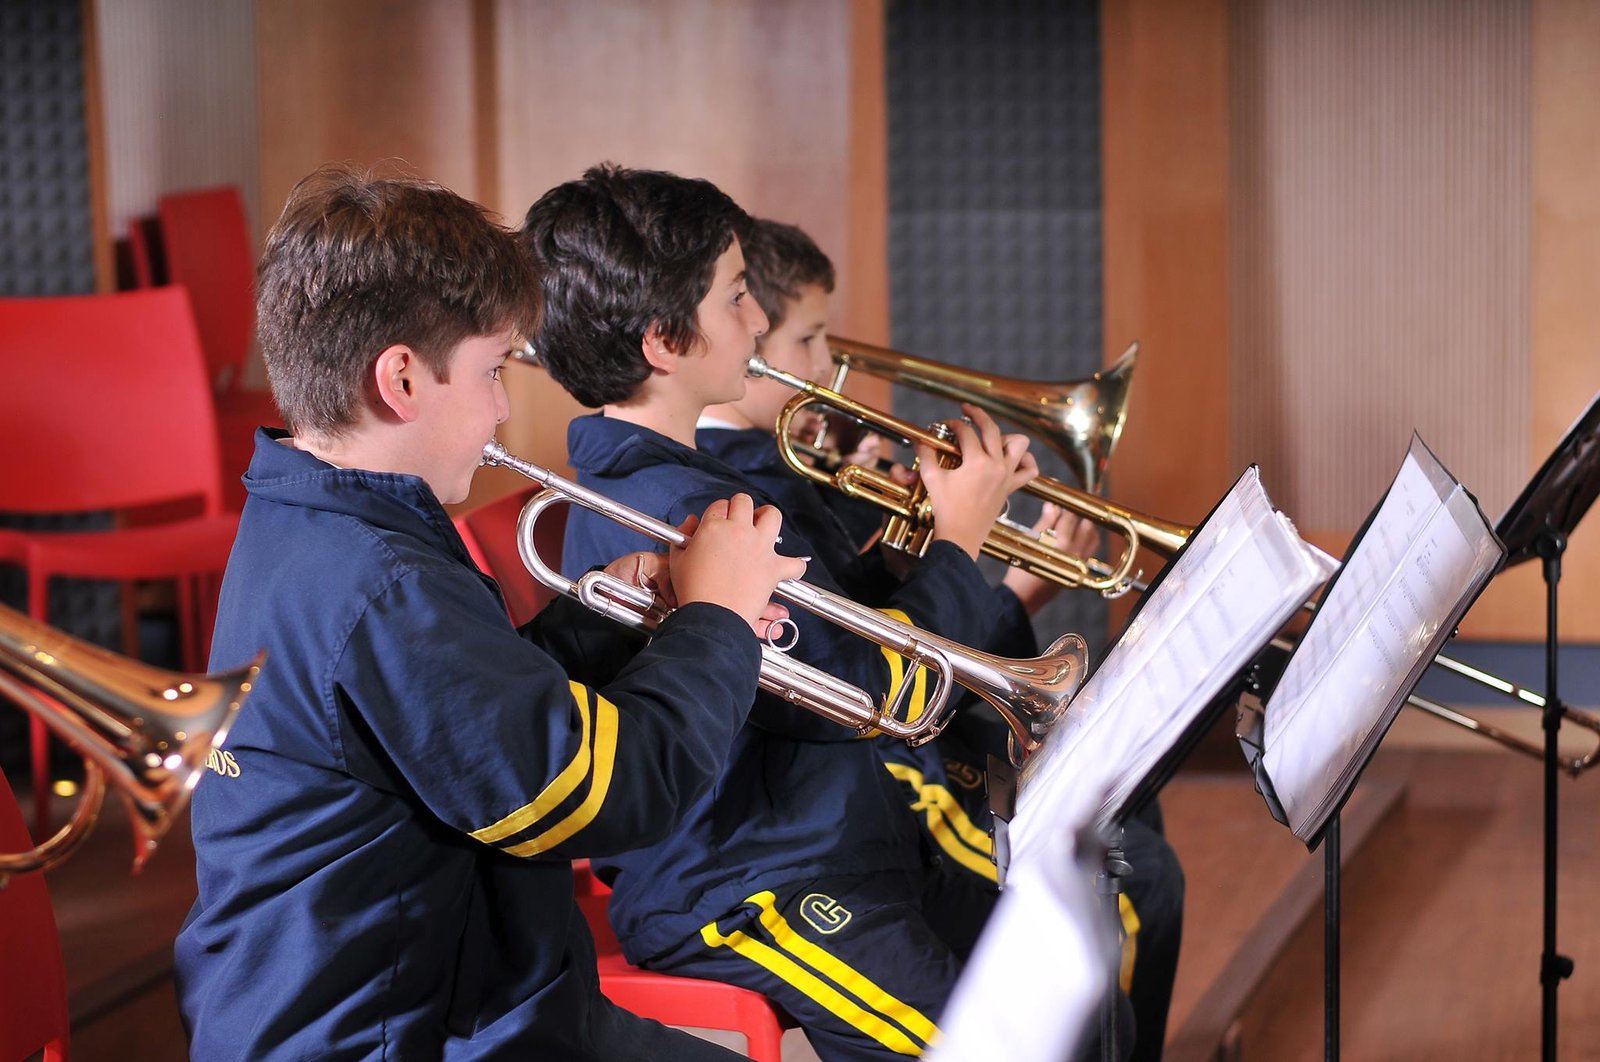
(658, 352)
(395, 372)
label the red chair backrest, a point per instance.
(490, 533)
(33, 981)
(105, 405)
(210, 251)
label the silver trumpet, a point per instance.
(146, 730)
(1029, 694)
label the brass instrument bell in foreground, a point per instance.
(146, 730)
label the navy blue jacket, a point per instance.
(383, 855)
(800, 797)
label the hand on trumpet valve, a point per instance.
(967, 498)
(1065, 531)
(731, 560)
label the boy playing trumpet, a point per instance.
(387, 874)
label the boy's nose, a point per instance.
(757, 318)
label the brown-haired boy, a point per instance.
(387, 874)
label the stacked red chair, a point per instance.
(108, 408)
(208, 248)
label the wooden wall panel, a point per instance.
(1564, 326)
(778, 102)
(1165, 152)
(1380, 247)
(387, 84)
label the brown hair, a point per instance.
(355, 265)
(779, 260)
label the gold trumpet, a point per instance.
(911, 518)
(1081, 420)
(147, 730)
(1030, 694)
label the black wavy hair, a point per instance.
(620, 251)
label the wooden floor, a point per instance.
(1441, 913)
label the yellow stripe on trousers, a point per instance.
(877, 1019)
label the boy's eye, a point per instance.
(494, 373)
(738, 296)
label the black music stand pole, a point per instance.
(1553, 966)
(1538, 525)
(1330, 940)
(1108, 883)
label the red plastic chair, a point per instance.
(106, 408)
(209, 250)
(33, 980)
(490, 534)
(674, 1000)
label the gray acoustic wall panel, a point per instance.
(994, 202)
(46, 233)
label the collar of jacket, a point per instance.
(606, 446)
(285, 475)
(750, 450)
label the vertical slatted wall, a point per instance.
(179, 82)
(1380, 246)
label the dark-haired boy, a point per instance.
(802, 874)
(386, 873)
(791, 278)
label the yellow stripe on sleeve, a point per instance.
(605, 761)
(595, 763)
(897, 673)
(949, 823)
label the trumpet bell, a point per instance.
(145, 731)
(1080, 420)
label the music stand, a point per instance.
(1420, 559)
(1538, 524)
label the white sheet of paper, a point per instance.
(1423, 552)
(1244, 572)
(1036, 978)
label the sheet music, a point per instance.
(1425, 551)
(1037, 975)
(1241, 576)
